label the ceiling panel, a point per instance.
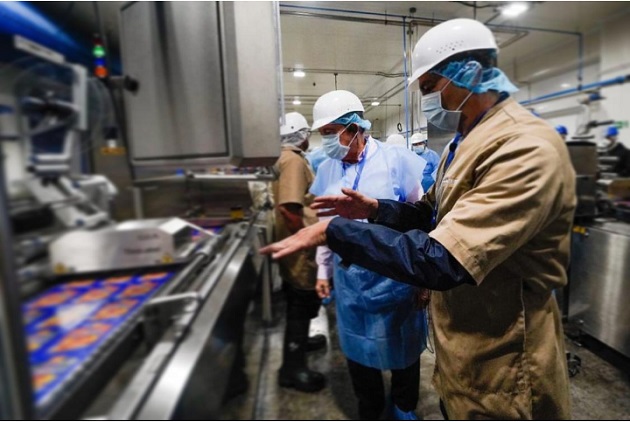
(335, 45)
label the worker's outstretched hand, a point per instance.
(351, 204)
(308, 237)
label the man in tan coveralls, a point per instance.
(502, 206)
(298, 271)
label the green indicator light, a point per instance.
(99, 51)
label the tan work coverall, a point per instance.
(292, 186)
(505, 209)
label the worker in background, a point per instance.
(396, 139)
(503, 205)
(562, 131)
(298, 271)
(419, 146)
(380, 322)
(615, 148)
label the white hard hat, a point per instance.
(448, 39)
(332, 105)
(294, 122)
(416, 138)
(396, 139)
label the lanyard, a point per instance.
(360, 166)
(458, 139)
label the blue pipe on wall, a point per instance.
(608, 82)
(18, 18)
(580, 70)
(22, 18)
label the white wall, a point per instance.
(607, 54)
(388, 125)
(615, 61)
(564, 111)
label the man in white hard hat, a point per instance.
(397, 139)
(380, 324)
(503, 205)
(419, 146)
(298, 271)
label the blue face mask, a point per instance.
(333, 147)
(437, 115)
(419, 149)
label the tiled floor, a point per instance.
(599, 391)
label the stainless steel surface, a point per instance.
(137, 202)
(208, 90)
(15, 380)
(264, 224)
(206, 353)
(70, 205)
(170, 374)
(173, 50)
(583, 156)
(131, 244)
(600, 283)
(250, 42)
(202, 198)
(210, 177)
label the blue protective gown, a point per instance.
(430, 171)
(378, 323)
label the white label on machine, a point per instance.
(38, 50)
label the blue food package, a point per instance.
(66, 324)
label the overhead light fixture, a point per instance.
(512, 10)
(565, 85)
(375, 103)
(297, 102)
(299, 73)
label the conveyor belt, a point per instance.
(68, 324)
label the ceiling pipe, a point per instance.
(341, 18)
(430, 21)
(576, 91)
(346, 72)
(406, 85)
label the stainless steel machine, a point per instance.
(141, 319)
(600, 282)
(208, 84)
(598, 277)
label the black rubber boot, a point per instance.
(294, 373)
(317, 342)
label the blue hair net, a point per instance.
(562, 130)
(470, 75)
(295, 138)
(612, 131)
(350, 118)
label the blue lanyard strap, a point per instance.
(459, 138)
(451, 150)
(360, 166)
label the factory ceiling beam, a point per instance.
(346, 72)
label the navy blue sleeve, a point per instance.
(411, 257)
(404, 216)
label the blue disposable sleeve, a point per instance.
(412, 257)
(404, 216)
